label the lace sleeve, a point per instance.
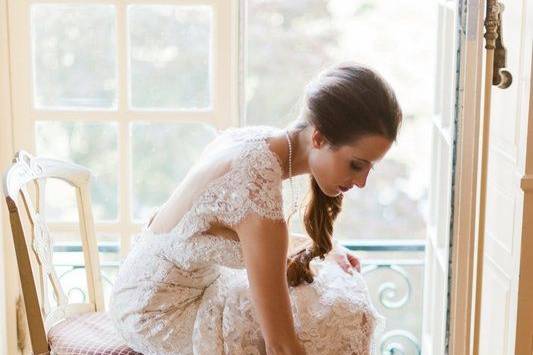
(263, 191)
(261, 188)
(253, 184)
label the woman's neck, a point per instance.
(301, 144)
(300, 147)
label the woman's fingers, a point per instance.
(354, 261)
(344, 263)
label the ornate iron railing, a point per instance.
(397, 292)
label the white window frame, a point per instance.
(224, 110)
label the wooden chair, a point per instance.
(75, 328)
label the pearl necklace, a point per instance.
(294, 202)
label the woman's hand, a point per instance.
(347, 261)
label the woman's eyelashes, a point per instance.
(355, 167)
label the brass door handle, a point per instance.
(501, 76)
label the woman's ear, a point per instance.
(317, 139)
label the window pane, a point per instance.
(170, 56)
(301, 38)
(74, 51)
(60, 201)
(162, 153)
(93, 145)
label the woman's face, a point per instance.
(338, 170)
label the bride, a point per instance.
(215, 269)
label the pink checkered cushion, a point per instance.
(88, 334)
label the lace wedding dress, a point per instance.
(187, 292)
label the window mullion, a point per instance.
(123, 134)
(124, 185)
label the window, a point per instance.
(133, 91)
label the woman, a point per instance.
(210, 274)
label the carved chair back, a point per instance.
(24, 189)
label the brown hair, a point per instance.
(344, 102)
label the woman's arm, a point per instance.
(264, 244)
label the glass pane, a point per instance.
(162, 153)
(60, 201)
(170, 56)
(74, 56)
(302, 38)
(93, 145)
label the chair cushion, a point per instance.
(88, 333)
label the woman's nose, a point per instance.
(360, 179)
(361, 182)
